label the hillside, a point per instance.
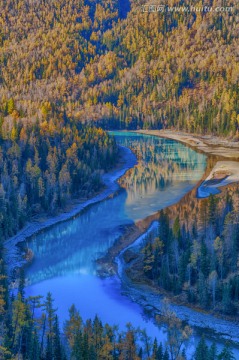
(44, 47)
(195, 256)
(173, 69)
(180, 70)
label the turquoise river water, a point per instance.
(65, 254)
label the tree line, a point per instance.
(46, 164)
(30, 330)
(195, 255)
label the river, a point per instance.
(65, 254)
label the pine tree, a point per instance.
(201, 350)
(159, 354)
(97, 334)
(212, 209)
(155, 347)
(202, 290)
(19, 322)
(4, 293)
(164, 229)
(50, 317)
(21, 286)
(166, 355)
(72, 327)
(226, 354)
(227, 305)
(49, 350)
(77, 347)
(176, 229)
(34, 349)
(57, 347)
(212, 354)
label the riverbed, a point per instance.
(64, 254)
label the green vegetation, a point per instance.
(30, 330)
(150, 70)
(196, 253)
(46, 155)
(67, 63)
(42, 166)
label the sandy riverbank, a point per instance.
(223, 174)
(209, 144)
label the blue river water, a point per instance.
(65, 254)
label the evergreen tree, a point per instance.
(159, 354)
(49, 350)
(34, 349)
(212, 354)
(226, 354)
(166, 355)
(201, 350)
(57, 347)
(21, 285)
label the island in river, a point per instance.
(65, 254)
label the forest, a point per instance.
(44, 165)
(147, 70)
(48, 156)
(69, 70)
(195, 257)
(31, 330)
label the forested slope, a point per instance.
(172, 69)
(44, 165)
(195, 255)
(180, 70)
(47, 157)
(44, 47)
(64, 63)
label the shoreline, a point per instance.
(225, 153)
(151, 298)
(223, 174)
(174, 301)
(132, 234)
(147, 296)
(208, 144)
(109, 179)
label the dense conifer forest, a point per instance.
(44, 165)
(195, 256)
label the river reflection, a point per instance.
(165, 170)
(64, 255)
(72, 247)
